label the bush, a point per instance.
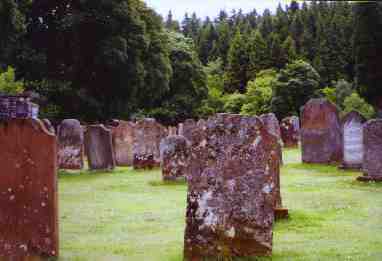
(8, 83)
(234, 102)
(355, 103)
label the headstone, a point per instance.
(372, 161)
(99, 148)
(123, 140)
(70, 145)
(28, 198)
(187, 128)
(172, 130)
(175, 154)
(148, 135)
(321, 138)
(17, 107)
(290, 131)
(273, 126)
(48, 125)
(352, 135)
(230, 202)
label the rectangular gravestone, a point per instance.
(123, 141)
(28, 191)
(290, 131)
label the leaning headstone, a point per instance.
(28, 198)
(273, 126)
(321, 138)
(99, 148)
(175, 155)
(290, 131)
(147, 137)
(372, 161)
(230, 202)
(70, 145)
(123, 140)
(352, 135)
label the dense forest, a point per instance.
(97, 60)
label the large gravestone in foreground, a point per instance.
(372, 161)
(28, 185)
(123, 140)
(321, 139)
(290, 131)
(99, 148)
(70, 144)
(231, 196)
(175, 155)
(352, 135)
(273, 126)
(147, 137)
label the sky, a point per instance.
(210, 8)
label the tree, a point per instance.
(258, 54)
(288, 51)
(355, 103)
(172, 24)
(234, 102)
(8, 83)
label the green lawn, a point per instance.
(132, 215)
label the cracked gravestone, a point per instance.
(290, 131)
(123, 140)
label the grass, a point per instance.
(133, 215)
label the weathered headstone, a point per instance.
(70, 145)
(147, 137)
(321, 138)
(231, 196)
(123, 140)
(352, 135)
(290, 131)
(187, 128)
(172, 130)
(48, 125)
(372, 161)
(273, 126)
(28, 198)
(17, 107)
(175, 154)
(99, 148)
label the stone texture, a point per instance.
(70, 144)
(273, 126)
(231, 189)
(321, 138)
(172, 131)
(17, 107)
(123, 140)
(28, 191)
(372, 161)
(186, 129)
(147, 138)
(352, 135)
(48, 125)
(175, 154)
(99, 148)
(290, 131)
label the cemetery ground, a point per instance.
(133, 215)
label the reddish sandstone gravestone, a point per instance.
(99, 148)
(175, 155)
(147, 138)
(290, 131)
(231, 195)
(273, 126)
(352, 140)
(321, 138)
(28, 191)
(70, 136)
(372, 159)
(123, 140)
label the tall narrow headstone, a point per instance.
(230, 202)
(372, 159)
(290, 131)
(273, 126)
(99, 148)
(321, 138)
(352, 135)
(70, 144)
(187, 128)
(28, 185)
(123, 141)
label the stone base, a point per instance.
(281, 213)
(369, 179)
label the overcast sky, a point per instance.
(210, 7)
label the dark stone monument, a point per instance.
(290, 131)
(28, 198)
(321, 138)
(123, 140)
(99, 148)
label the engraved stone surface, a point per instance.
(28, 191)
(70, 144)
(99, 148)
(321, 138)
(231, 195)
(123, 141)
(290, 131)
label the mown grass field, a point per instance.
(132, 215)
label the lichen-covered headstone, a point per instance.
(273, 126)
(28, 186)
(123, 140)
(352, 135)
(70, 144)
(99, 148)
(372, 160)
(231, 195)
(147, 137)
(321, 138)
(290, 131)
(175, 155)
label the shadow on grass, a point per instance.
(300, 221)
